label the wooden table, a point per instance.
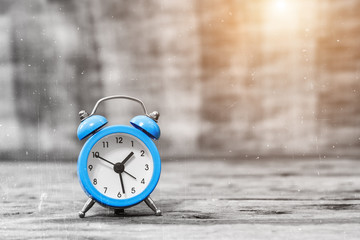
(201, 199)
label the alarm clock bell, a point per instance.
(147, 124)
(89, 125)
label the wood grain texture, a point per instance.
(216, 199)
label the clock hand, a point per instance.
(127, 158)
(122, 183)
(129, 174)
(98, 156)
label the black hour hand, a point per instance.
(127, 158)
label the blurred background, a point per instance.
(231, 79)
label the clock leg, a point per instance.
(151, 204)
(89, 203)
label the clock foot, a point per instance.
(151, 204)
(120, 211)
(89, 203)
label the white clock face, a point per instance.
(120, 166)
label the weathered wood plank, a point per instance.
(277, 199)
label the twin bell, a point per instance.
(145, 123)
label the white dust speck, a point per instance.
(43, 197)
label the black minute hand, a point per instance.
(127, 158)
(122, 183)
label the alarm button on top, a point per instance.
(89, 125)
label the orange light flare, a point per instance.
(282, 14)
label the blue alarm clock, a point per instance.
(119, 166)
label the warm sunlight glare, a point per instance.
(281, 8)
(280, 5)
(281, 14)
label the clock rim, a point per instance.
(84, 179)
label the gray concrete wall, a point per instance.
(235, 78)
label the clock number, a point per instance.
(90, 167)
(133, 190)
(119, 139)
(105, 189)
(95, 154)
(146, 167)
(132, 143)
(105, 144)
(119, 195)
(95, 181)
(143, 181)
(142, 153)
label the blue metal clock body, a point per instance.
(119, 166)
(85, 181)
